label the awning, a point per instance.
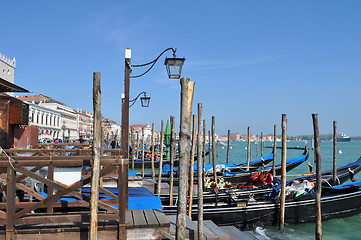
(6, 86)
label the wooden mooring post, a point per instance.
(228, 145)
(318, 186)
(334, 153)
(160, 157)
(143, 152)
(283, 173)
(172, 152)
(248, 147)
(153, 151)
(200, 172)
(204, 148)
(183, 161)
(274, 149)
(191, 167)
(261, 144)
(133, 148)
(95, 156)
(213, 148)
(210, 147)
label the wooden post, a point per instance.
(123, 169)
(153, 150)
(200, 172)
(334, 153)
(143, 152)
(160, 157)
(274, 149)
(137, 150)
(213, 148)
(191, 171)
(133, 150)
(256, 149)
(228, 145)
(261, 144)
(172, 152)
(183, 161)
(10, 203)
(318, 177)
(96, 156)
(204, 148)
(248, 147)
(283, 172)
(210, 147)
(50, 188)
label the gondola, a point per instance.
(256, 163)
(343, 175)
(338, 201)
(242, 177)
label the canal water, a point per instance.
(342, 228)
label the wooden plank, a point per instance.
(139, 218)
(217, 230)
(129, 218)
(151, 218)
(208, 233)
(236, 234)
(30, 191)
(162, 218)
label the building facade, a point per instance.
(48, 121)
(84, 124)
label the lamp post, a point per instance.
(174, 69)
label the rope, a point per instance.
(184, 134)
(9, 158)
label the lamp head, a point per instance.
(174, 67)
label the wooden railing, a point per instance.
(14, 169)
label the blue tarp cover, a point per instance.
(139, 198)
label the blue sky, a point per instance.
(251, 60)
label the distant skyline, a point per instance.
(251, 60)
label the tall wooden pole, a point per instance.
(161, 157)
(95, 156)
(283, 172)
(200, 172)
(191, 171)
(335, 153)
(172, 152)
(153, 150)
(122, 170)
(143, 152)
(210, 147)
(318, 177)
(274, 149)
(228, 145)
(261, 144)
(183, 161)
(137, 150)
(213, 148)
(133, 150)
(248, 147)
(204, 148)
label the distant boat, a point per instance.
(344, 138)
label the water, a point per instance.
(342, 228)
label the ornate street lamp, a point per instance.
(144, 100)
(174, 66)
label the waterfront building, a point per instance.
(67, 121)
(112, 129)
(48, 121)
(84, 124)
